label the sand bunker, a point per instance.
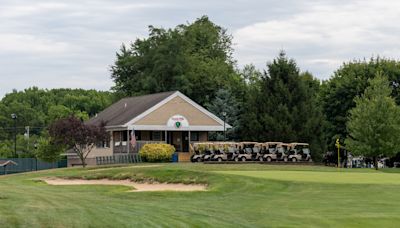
(139, 187)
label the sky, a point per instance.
(72, 43)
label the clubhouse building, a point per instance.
(168, 117)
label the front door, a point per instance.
(175, 138)
(179, 139)
(185, 141)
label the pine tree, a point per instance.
(225, 107)
(287, 107)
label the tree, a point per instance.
(349, 81)
(225, 102)
(56, 112)
(283, 107)
(73, 133)
(195, 59)
(374, 123)
(47, 150)
(248, 121)
(38, 108)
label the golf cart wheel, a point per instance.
(269, 159)
(236, 159)
(261, 159)
(219, 159)
(198, 159)
(285, 159)
(243, 159)
(294, 159)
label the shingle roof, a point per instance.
(128, 108)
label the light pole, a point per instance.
(14, 117)
(224, 115)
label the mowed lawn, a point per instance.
(250, 195)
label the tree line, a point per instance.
(38, 108)
(278, 103)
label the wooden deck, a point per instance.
(184, 156)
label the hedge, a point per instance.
(159, 152)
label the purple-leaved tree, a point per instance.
(73, 133)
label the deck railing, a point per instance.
(118, 159)
(123, 147)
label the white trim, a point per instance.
(115, 128)
(166, 128)
(205, 111)
(166, 100)
(150, 110)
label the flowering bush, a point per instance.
(157, 152)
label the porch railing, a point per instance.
(123, 147)
(118, 159)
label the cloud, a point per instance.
(324, 35)
(72, 43)
(25, 43)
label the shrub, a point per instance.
(48, 151)
(157, 152)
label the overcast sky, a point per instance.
(72, 43)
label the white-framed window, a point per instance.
(156, 136)
(194, 136)
(103, 144)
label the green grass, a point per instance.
(250, 195)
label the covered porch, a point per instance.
(179, 139)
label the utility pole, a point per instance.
(14, 117)
(224, 115)
(27, 136)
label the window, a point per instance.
(194, 136)
(124, 136)
(138, 135)
(103, 144)
(156, 136)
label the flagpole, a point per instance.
(133, 139)
(128, 142)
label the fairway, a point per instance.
(242, 195)
(323, 177)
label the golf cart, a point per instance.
(219, 152)
(271, 152)
(299, 152)
(245, 151)
(209, 151)
(259, 150)
(198, 152)
(225, 151)
(282, 152)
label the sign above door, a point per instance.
(177, 122)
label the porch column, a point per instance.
(189, 141)
(127, 140)
(121, 138)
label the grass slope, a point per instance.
(250, 195)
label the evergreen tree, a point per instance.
(285, 108)
(248, 121)
(225, 103)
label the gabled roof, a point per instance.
(127, 111)
(6, 163)
(128, 108)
